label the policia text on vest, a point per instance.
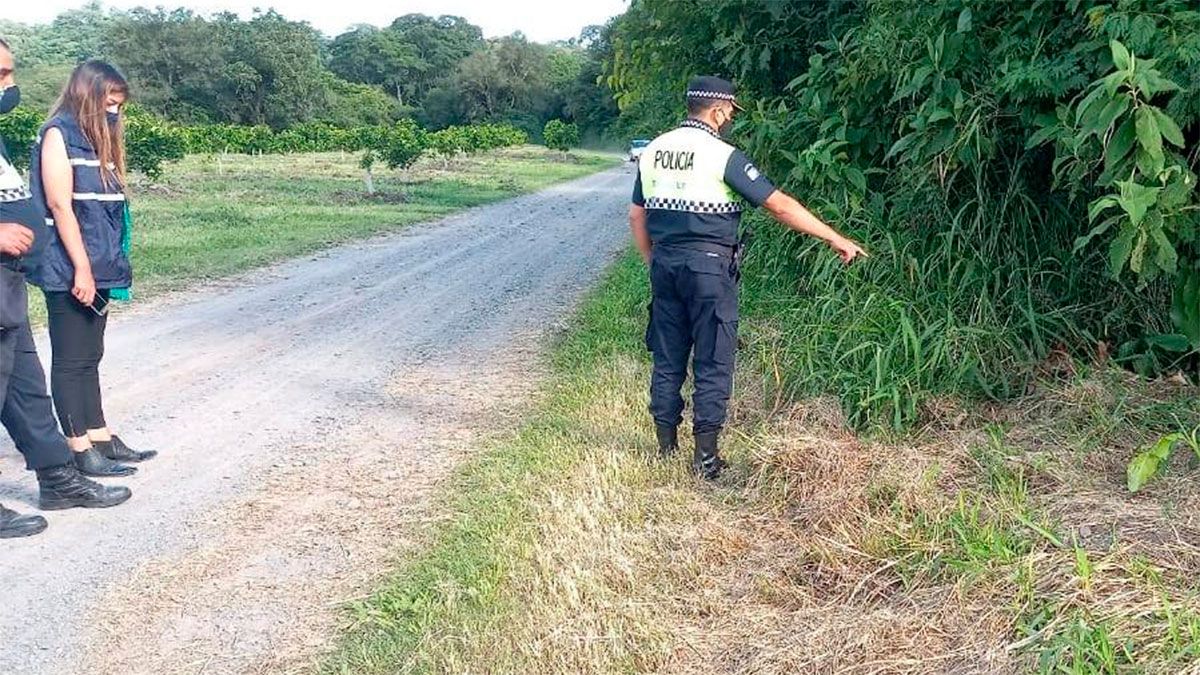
(687, 206)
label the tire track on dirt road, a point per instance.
(306, 412)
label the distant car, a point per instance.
(636, 148)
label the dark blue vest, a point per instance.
(99, 208)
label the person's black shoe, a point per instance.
(64, 487)
(92, 463)
(13, 524)
(668, 440)
(706, 461)
(117, 451)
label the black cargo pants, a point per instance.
(694, 313)
(25, 407)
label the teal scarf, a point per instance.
(125, 294)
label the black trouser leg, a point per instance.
(669, 339)
(25, 408)
(77, 340)
(714, 317)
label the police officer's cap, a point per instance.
(713, 88)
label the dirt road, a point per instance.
(305, 413)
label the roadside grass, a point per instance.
(213, 216)
(995, 538)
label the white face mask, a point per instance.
(113, 109)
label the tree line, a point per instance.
(274, 72)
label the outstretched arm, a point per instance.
(784, 208)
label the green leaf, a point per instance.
(1165, 255)
(1099, 206)
(1136, 200)
(965, 20)
(1119, 250)
(1167, 126)
(857, 178)
(1148, 134)
(1100, 229)
(1140, 471)
(1171, 342)
(1041, 136)
(1121, 143)
(1146, 464)
(900, 146)
(1121, 57)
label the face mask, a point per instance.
(726, 126)
(9, 98)
(114, 114)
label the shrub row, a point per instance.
(151, 141)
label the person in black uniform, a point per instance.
(687, 206)
(25, 407)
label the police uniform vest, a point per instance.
(683, 185)
(99, 207)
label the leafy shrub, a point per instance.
(560, 135)
(19, 129)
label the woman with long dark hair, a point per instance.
(78, 176)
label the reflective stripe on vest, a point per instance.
(684, 170)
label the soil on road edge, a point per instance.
(306, 414)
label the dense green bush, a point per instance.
(560, 135)
(1023, 174)
(19, 129)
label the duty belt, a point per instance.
(723, 250)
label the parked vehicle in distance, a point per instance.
(636, 148)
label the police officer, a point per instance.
(685, 216)
(25, 408)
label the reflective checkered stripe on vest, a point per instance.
(683, 172)
(99, 208)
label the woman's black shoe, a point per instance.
(92, 463)
(117, 451)
(13, 524)
(64, 487)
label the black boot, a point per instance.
(64, 487)
(92, 463)
(668, 440)
(117, 451)
(13, 524)
(706, 462)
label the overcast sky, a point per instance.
(540, 20)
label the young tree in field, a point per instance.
(560, 135)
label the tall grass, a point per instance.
(965, 303)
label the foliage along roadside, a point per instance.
(151, 141)
(1025, 180)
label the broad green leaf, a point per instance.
(1136, 200)
(1099, 206)
(965, 20)
(1119, 250)
(900, 146)
(1121, 143)
(857, 178)
(1167, 126)
(1165, 255)
(1041, 136)
(1090, 104)
(1141, 469)
(1121, 56)
(1172, 342)
(1109, 114)
(1148, 134)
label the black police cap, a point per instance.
(709, 87)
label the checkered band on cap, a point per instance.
(711, 94)
(690, 206)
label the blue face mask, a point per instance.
(9, 99)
